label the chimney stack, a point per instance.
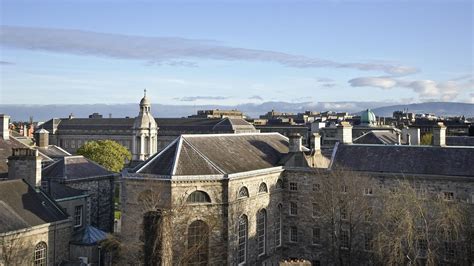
(4, 127)
(414, 135)
(344, 133)
(316, 142)
(439, 134)
(294, 144)
(42, 138)
(25, 164)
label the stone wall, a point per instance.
(101, 200)
(55, 235)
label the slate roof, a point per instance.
(217, 154)
(53, 151)
(385, 137)
(460, 140)
(73, 168)
(21, 206)
(405, 159)
(59, 191)
(6, 147)
(186, 125)
(89, 235)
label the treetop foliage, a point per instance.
(108, 153)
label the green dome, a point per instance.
(367, 117)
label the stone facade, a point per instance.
(288, 204)
(101, 201)
(56, 236)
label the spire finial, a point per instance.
(144, 93)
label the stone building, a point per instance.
(142, 136)
(253, 192)
(80, 173)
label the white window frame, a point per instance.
(245, 238)
(81, 213)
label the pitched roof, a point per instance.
(185, 125)
(217, 154)
(460, 140)
(6, 147)
(21, 206)
(89, 235)
(53, 151)
(74, 167)
(405, 159)
(59, 191)
(385, 137)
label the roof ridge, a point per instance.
(156, 155)
(177, 153)
(205, 158)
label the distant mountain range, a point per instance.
(22, 112)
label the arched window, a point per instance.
(263, 188)
(198, 243)
(41, 255)
(242, 247)
(261, 231)
(278, 225)
(198, 197)
(243, 192)
(279, 184)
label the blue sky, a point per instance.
(230, 52)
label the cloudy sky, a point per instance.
(230, 52)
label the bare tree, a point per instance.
(164, 239)
(15, 249)
(344, 205)
(418, 227)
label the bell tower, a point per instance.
(145, 132)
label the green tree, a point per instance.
(427, 139)
(107, 153)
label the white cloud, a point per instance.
(166, 49)
(426, 89)
(379, 82)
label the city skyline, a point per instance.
(232, 53)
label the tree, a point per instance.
(107, 153)
(344, 208)
(418, 227)
(427, 139)
(15, 249)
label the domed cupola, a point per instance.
(145, 132)
(367, 118)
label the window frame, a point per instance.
(262, 188)
(292, 234)
(40, 255)
(198, 197)
(243, 221)
(293, 186)
(318, 242)
(261, 232)
(197, 227)
(293, 207)
(243, 193)
(78, 215)
(278, 226)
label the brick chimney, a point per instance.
(4, 129)
(439, 135)
(42, 138)
(344, 133)
(294, 144)
(316, 142)
(25, 164)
